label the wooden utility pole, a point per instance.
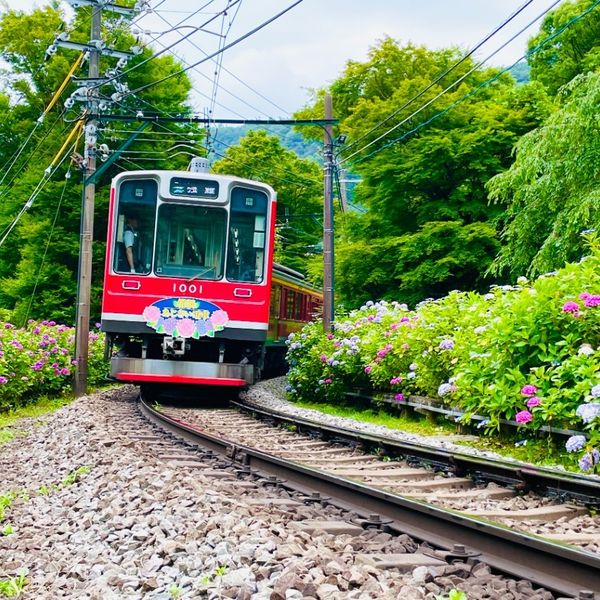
(328, 230)
(84, 279)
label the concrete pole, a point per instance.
(84, 280)
(328, 229)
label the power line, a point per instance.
(442, 75)
(230, 73)
(481, 86)
(452, 85)
(226, 47)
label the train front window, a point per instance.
(247, 235)
(136, 209)
(190, 241)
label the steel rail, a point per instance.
(521, 475)
(554, 566)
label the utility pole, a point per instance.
(84, 278)
(87, 93)
(328, 256)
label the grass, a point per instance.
(408, 422)
(44, 406)
(541, 451)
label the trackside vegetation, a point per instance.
(36, 360)
(527, 353)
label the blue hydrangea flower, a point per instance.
(575, 443)
(588, 412)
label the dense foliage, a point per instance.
(36, 360)
(551, 191)
(529, 353)
(428, 227)
(39, 259)
(574, 45)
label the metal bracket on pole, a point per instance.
(93, 178)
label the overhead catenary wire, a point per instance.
(161, 52)
(225, 48)
(449, 70)
(481, 86)
(54, 165)
(41, 118)
(230, 73)
(454, 84)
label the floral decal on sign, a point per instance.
(185, 317)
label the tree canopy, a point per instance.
(551, 191)
(423, 175)
(39, 259)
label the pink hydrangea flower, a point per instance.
(571, 307)
(399, 397)
(532, 402)
(529, 390)
(524, 416)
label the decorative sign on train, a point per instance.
(195, 188)
(185, 317)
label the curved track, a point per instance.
(386, 497)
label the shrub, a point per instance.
(38, 360)
(478, 354)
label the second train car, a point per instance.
(191, 295)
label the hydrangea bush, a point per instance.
(38, 360)
(527, 353)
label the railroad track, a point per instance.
(467, 507)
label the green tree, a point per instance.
(574, 50)
(551, 191)
(299, 187)
(39, 259)
(424, 175)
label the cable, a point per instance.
(226, 47)
(52, 227)
(481, 86)
(47, 174)
(446, 72)
(40, 119)
(230, 73)
(444, 91)
(160, 52)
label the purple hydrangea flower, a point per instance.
(523, 416)
(588, 412)
(586, 462)
(575, 443)
(529, 390)
(399, 397)
(445, 388)
(595, 391)
(446, 345)
(3, 380)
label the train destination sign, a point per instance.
(194, 188)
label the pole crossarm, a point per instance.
(93, 48)
(157, 118)
(116, 8)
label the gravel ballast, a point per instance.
(98, 514)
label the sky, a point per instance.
(271, 73)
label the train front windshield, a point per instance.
(190, 240)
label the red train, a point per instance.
(191, 295)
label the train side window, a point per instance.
(247, 235)
(135, 216)
(289, 312)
